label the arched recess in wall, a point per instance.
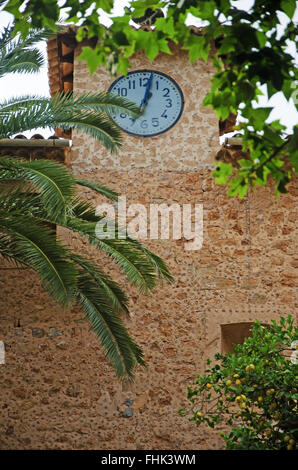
(234, 333)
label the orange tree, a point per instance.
(252, 390)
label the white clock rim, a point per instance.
(159, 73)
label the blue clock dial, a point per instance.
(160, 99)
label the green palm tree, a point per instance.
(20, 55)
(34, 194)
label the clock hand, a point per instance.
(147, 95)
(143, 107)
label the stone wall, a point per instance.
(57, 391)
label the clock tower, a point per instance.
(167, 158)
(58, 390)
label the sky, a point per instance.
(16, 84)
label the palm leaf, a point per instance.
(160, 265)
(36, 246)
(114, 294)
(85, 113)
(44, 112)
(19, 200)
(19, 114)
(29, 61)
(104, 102)
(137, 267)
(8, 254)
(26, 241)
(97, 124)
(54, 181)
(19, 103)
(117, 345)
(99, 188)
(17, 54)
(83, 210)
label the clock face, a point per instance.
(160, 99)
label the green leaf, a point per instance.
(289, 7)
(152, 48)
(121, 39)
(163, 46)
(99, 188)
(149, 42)
(223, 173)
(262, 38)
(223, 112)
(106, 5)
(246, 91)
(205, 10)
(166, 25)
(257, 116)
(92, 57)
(238, 186)
(228, 44)
(81, 33)
(271, 90)
(118, 347)
(198, 48)
(123, 65)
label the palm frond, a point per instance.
(160, 265)
(19, 200)
(94, 123)
(8, 254)
(42, 113)
(6, 35)
(99, 188)
(88, 113)
(104, 102)
(138, 268)
(118, 346)
(20, 103)
(35, 245)
(54, 181)
(83, 210)
(29, 61)
(34, 36)
(17, 54)
(24, 113)
(114, 294)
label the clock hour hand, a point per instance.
(147, 95)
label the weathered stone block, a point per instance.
(38, 332)
(127, 413)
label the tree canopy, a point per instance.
(251, 52)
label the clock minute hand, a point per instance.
(145, 99)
